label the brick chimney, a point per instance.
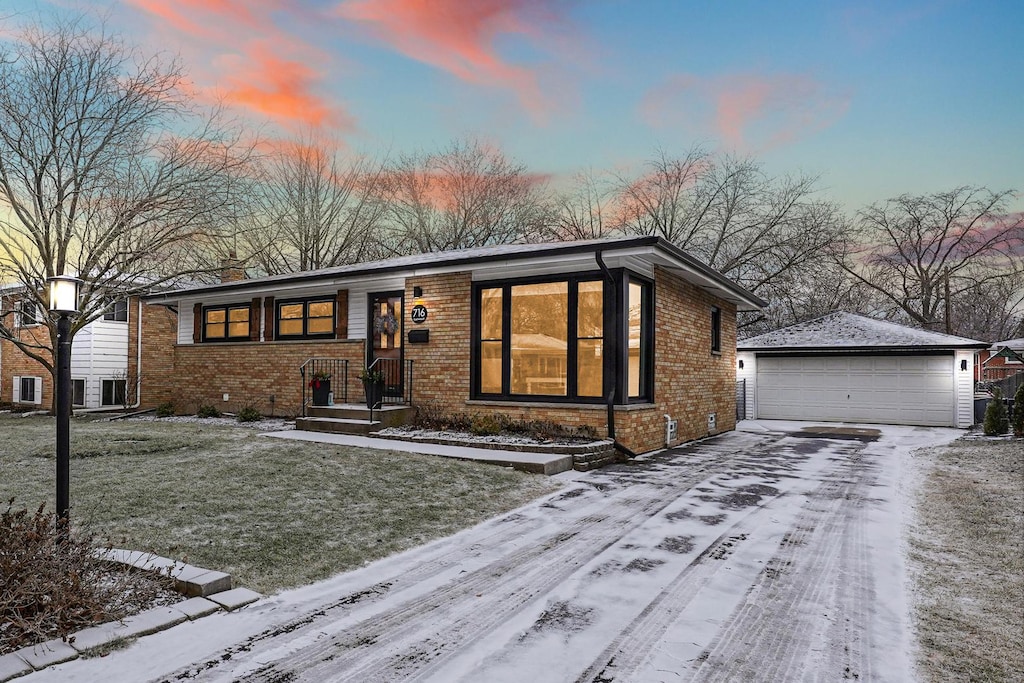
(231, 269)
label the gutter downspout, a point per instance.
(610, 398)
(138, 361)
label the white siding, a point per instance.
(965, 388)
(749, 373)
(185, 322)
(914, 390)
(99, 351)
(359, 302)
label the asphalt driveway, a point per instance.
(772, 553)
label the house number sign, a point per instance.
(419, 314)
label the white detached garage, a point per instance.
(849, 368)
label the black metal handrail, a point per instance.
(336, 370)
(397, 384)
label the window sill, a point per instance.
(558, 405)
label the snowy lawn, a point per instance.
(273, 513)
(967, 555)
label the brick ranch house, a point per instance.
(623, 335)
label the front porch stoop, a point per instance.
(353, 418)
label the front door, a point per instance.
(385, 319)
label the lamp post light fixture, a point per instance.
(63, 301)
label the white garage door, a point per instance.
(911, 390)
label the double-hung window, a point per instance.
(113, 392)
(226, 323)
(117, 311)
(312, 318)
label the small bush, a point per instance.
(1018, 412)
(996, 421)
(485, 425)
(206, 410)
(165, 409)
(51, 589)
(249, 414)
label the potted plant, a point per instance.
(320, 383)
(373, 386)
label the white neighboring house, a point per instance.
(844, 367)
(99, 357)
(99, 360)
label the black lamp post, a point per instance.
(64, 303)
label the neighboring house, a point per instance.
(843, 367)
(538, 331)
(1001, 360)
(99, 356)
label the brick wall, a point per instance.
(690, 381)
(14, 363)
(441, 367)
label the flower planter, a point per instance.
(321, 392)
(374, 393)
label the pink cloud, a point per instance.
(239, 53)
(459, 36)
(745, 110)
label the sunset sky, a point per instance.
(880, 98)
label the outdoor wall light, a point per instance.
(741, 365)
(417, 292)
(63, 294)
(963, 364)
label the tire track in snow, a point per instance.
(406, 641)
(771, 636)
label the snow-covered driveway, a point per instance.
(757, 555)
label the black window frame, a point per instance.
(117, 311)
(114, 395)
(227, 308)
(31, 384)
(615, 335)
(716, 330)
(29, 313)
(305, 318)
(74, 394)
(647, 328)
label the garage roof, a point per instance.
(847, 331)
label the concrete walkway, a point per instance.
(538, 463)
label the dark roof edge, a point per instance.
(860, 348)
(371, 267)
(710, 272)
(565, 248)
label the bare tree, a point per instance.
(106, 172)
(467, 195)
(585, 210)
(763, 232)
(992, 309)
(920, 252)
(314, 209)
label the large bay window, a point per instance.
(548, 340)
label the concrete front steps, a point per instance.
(352, 418)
